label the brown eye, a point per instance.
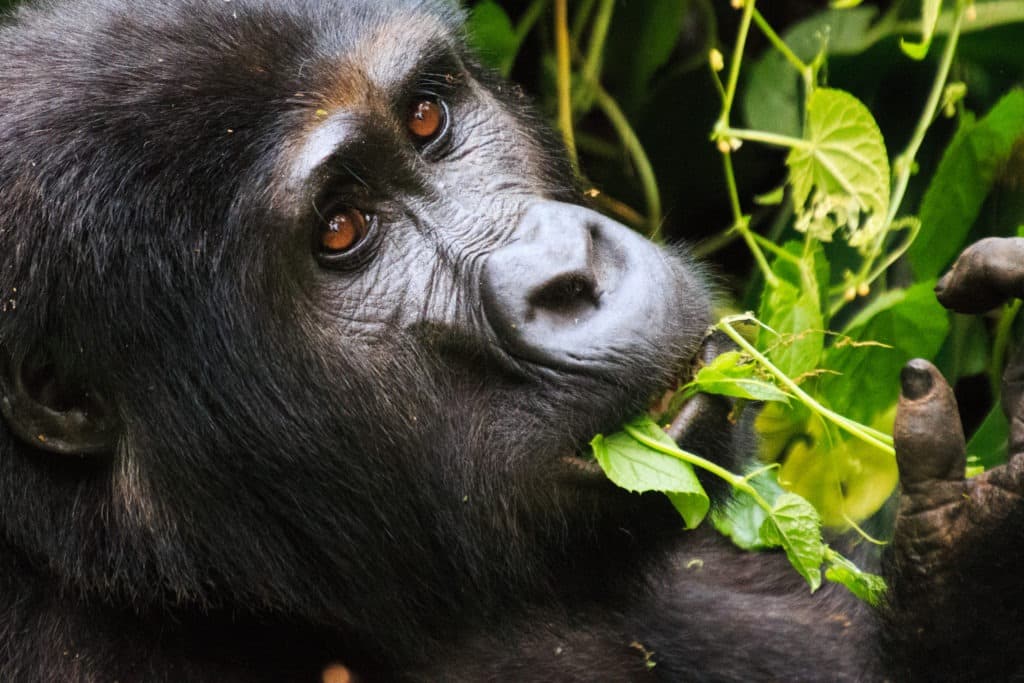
(426, 120)
(344, 230)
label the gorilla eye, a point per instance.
(344, 230)
(426, 120)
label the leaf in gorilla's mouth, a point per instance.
(676, 410)
(677, 414)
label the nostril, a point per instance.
(568, 292)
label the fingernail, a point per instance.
(942, 284)
(916, 378)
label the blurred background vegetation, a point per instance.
(654, 67)
(640, 96)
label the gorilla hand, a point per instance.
(958, 542)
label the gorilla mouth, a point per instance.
(701, 410)
(701, 413)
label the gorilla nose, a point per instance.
(555, 270)
(571, 288)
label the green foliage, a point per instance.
(838, 313)
(989, 445)
(742, 518)
(772, 100)
(791, 309)
(929, 18)
(732, 374)
(639, 458)
(913, 324)
(839, 175)
(867, 587)
(794, 525)
(637, 468)
(493, 36)
(978, 152)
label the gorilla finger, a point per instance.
(987, 273)
(929, 438)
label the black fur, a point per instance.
(318, 463)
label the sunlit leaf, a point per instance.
(639, 468)
(791, 308)
(729, 375)
(845, 479)
(794, 526)
(840, 178)
(908, 323)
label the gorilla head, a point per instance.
(304, 325)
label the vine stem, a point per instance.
(734, 480)
(879, 270)
(565, 81)
(906, 160)
(583, 10)
(598, 37)
(765, 137)
(779, 44)
(737, 59)
(866, 434)
(636, 151)
(904, 163)
(741, 223)
(530, 17)
(999, 346)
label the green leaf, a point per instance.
(742, 518)
(929, 17)
(492, 35)
(969, 166)
(729, 375)
(966, 350)
(910, 323)
(772, 197)
(656, 25)
(794, 525)
(637, 467)
(990, 443)
(844, 478)
(840, 179)
(868, 587)
(792, 308)
(773, 99)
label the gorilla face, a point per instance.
(306, 319)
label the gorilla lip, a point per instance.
(696, 413)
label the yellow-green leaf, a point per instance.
(929, 17)
(840, 176)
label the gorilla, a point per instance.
(305, 329)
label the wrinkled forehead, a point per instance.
(393, 48)
(379, 54)
(379, 33)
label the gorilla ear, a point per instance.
(53, 414)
